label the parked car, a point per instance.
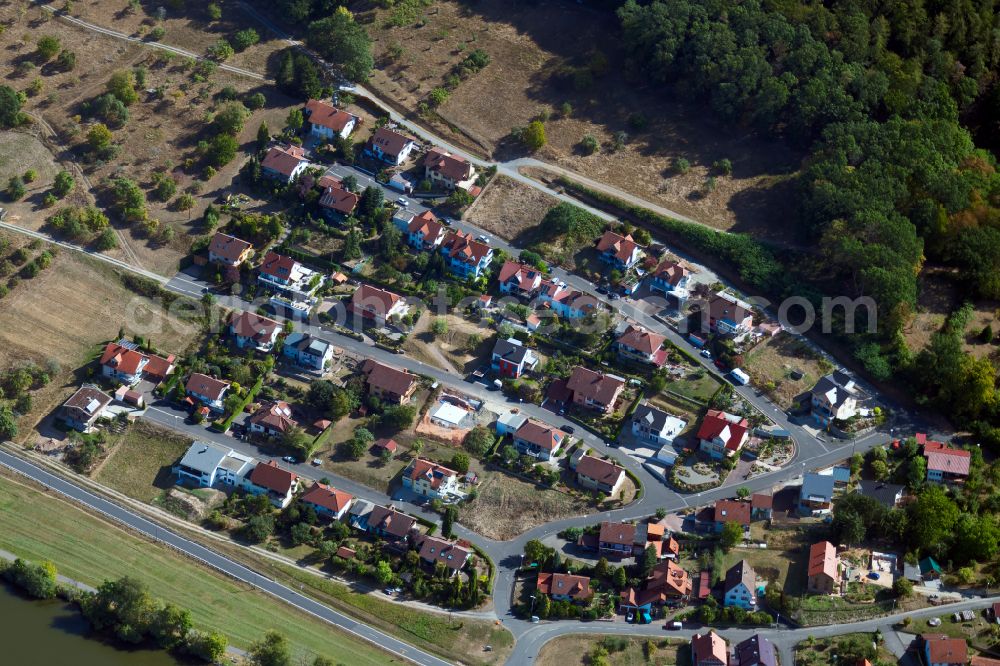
(290, 459)
(567, 428)
(873, 575)
(403, 201)
(601, 289)
(482, 238)
(316, 462)
(675, 625)
(387, 591)
(706, 354)
(447, 221)
(614, 295)
(934, 622)
(534, 619)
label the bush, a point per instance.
(165, 188)
(63, 184)
(157, 33)
(244, 39)
(221, 50)
(681, 165)
(478, 441)
(589, 145)
(15, 188)
(38, 581)
(256, 101)
(47, 47)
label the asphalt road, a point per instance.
(216, 561)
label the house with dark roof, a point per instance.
(731, 511)
(393, 526)
(84, 407)
(622, 252)
(722, 435)
(284, 163)
(209, 391)
(740, 588)
(464, 256)
(389, 384)
(510, 358)
(338, 201)
(709, 650)
(833, 398)
(565, 587)
(616, 539)
(755, 651)
(272, 419)
(888, 495)
(655, 426)
(823, 570)
(942, 650)
(389, 146)
(816, 494)
(429, 479)
(537, 439)
(376, 305)
(599, 474)
(327, 501)
(447, 170)
(327, 121)
(945, 464)
(308, 351)
(252, 330)
(637, 344)
(452, 555)
(228, 250)
(205, 464)
(595, 390)
(278, 484)
(672, 279)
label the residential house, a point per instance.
(534, 438)
(327, 501)
(941, 650)
(127, 396)
(833, 398)
(393, 526)
(668, 583)
(672, 279)
(598, 474)
(945, 464)
(565, 587)
(622, 252)
(823, 572)
(729, 316)
(250, 329)
(509, 422)
(841, 476)
(980, 660)
(385, 444)
(755, 651)
(930, 569)
(207, 390)
(655, 426)
(389, 384)
(450, 416)
(731, 511)
(511, 358)
(289, 277)
(637, 344)
(616, 539)
(377, 305)
(425, 232)
(278, 484)
(465, 257)
(816, 494)
(451, 554)
(389, 146)
(761, 506)
(709, 650)
(205, 464)
(327, 121)
(284, 163)
(228, 250)
(519, 279)
(123, 362)
(272, 419)
(740, 588)
(447, 170)
(565, 302)
(307, 351)
(338, 200)
(722, 435)
(595, 390)
(429, 479)
(84, 407)
(888, 495)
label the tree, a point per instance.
(221, 50)
(222, 150)
(108, 240)
(448, 521)
(478, 441)
(231, 119)
(259, 528)
(122, 85)
(384, 572)
(208, 647)
(15, 188)
(352, 245)
(339, 39)
(732, 534)
(460, 462)
(589, 144)
(99, 137)
(124, 606)
(10, 108)
(272, 650)
(214, 11)
(170, 626)
(38, 581)
(902, 587)
(976, 538)
(649, 560)
(263, 136)
(63, 184)
(439, 326)
(880, 470)
(849, 527)
(533, 136)
(620, 579)
(536, 552)
(398, 417)
(8, 423)
(47, 47)
(742, 492)
(294, 120)
(932, 517)
(244, 39)
(166, 188)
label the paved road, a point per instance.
(216, 561)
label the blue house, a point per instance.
(741, 586)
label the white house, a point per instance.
(307, 351)
(328, 501)
(284, 163)
(390, 146)
(206, 464)
(427, 478)
(267, 478)
(655, 426)
(835, 397)
(722, 434)
(327, 121)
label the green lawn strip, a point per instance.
(37, 526)
(140, 465)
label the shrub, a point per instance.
(589, 145)
(244, 39)
(157, 33)
(681, 165)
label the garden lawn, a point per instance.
(140, 461)
(88, 549)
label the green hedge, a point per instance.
(223, 426)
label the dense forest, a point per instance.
(889, 99)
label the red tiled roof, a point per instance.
(641, 340)
(716, 425)
(942, 458)
(449, 166)
(575, 587)
(327, 497)
(328, 180)
(671, 272)
(252, 325)
(206, 386)
(326, 115)
(269, 475)
(124, 360)
(621, 246)
(278, 266)
(158, 366)
(228, 247)
(761, 501)
(428, 469)
(389, 445)
(600, 388)
(386, 378)
(822, 560)
(670, 579)
(540, 434)
(448, 553)
(730, 511)
(345, 552)
(709, 646)
(340, 200)
(390, 142)
(946, 650)
(283, 159)
(461, 246)
(367, 296)
(617, 533)
(276, 416)
(426, 224)
(602, 471)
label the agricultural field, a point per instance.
(140, 459)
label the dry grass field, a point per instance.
(140, 461)
(507, 507)
(774, 361)
(575, 651)
(508, 208)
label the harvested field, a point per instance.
(140, 461)
(774, 360)
(507, 507)
(508, 208)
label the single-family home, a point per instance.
(389, 384)
(465, 257)
(622, 252)
(376, 305)
(447, 170)
(888, 495)
(565, 587)
(209, 391)
(761, 506)
(655, 426)
(595, 390)
(123, 362)
(84, 407)
(637, 344)
(941, 650)
(284, 163)
(534, 438)
(823, 571)
(287, 275)
(668, 583)
(816, 494)
(393, 526)
(228, 250)
(616, 539)
(267, 478)
(205, 464)
(740, 588)
(833, 398)
(307, 351)
(980, 660)
(755, 651)
(389, 146)
(722, 435)
(327, 501)
(337, 200)
(429, 479)
(731, 511)
(424, 232)
(509, 422)
(272, 419)
(450, 415)
(729, 316)
(709, 650)
(451, 554)
(945, 464)
(672, 279)
(519, 279)
(598, 474)
(511, 358)
(327, 121)
(252, 330)
(566, 302)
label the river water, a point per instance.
(52, 633)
